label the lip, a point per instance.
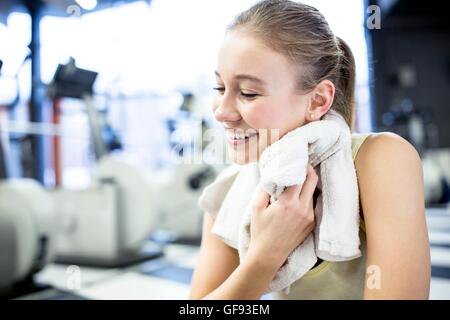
(239, 141)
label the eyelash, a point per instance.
(245, 95)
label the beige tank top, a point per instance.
(328, 280)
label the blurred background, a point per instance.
(104, 144)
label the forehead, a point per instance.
(243, 53)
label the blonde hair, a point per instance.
(301, 33)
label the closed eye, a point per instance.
(221, 90)
(249, 95)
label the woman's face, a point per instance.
(257, 101)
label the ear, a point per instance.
(321, 100)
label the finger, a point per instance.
(307, 192)
(290, 193)
(261, 199)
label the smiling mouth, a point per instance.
(240, 137)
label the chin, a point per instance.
(241, 161)
(240, 158)
(245, 153)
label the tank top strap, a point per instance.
(357, 141)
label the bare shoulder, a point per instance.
(389, 168)
(385, 146)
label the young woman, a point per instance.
(281, 67)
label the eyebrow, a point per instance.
(245, 77)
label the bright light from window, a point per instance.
(141, 49)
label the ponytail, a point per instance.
(345, 86)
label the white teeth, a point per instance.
(240, 135)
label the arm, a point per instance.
(218, 274)
(392, 197)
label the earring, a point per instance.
(311, 115)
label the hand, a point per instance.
(278, 228)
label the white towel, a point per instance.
(327, 144)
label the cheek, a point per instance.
(262, 116)
(280, 114)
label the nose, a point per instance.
(225, 110)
